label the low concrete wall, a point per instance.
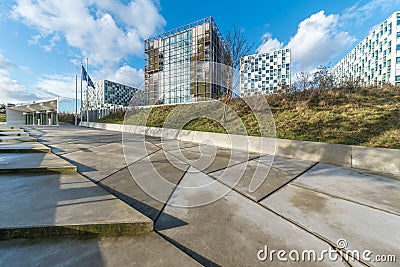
(368, 158)
(376, 159)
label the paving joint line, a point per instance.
(127, 166)
(322, 238)
(169, 197)
(288, 182)
(163, 208)
(332, 244)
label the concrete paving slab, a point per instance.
(13, 133)
(97, 139)
(17, 139)
(170, 145)
(232, 230)
(34, 163)
(353, 185)
(146, 185)
(23, 147)
(362, 227)
(264, 177)
(143, 250)
(210, 158)
(54, 205)
(122, 185)
(65, 148)
(289, 165)
(100, 162)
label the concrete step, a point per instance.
(23, 147)
(38, 206)
(13, 133)
(17, 139)
(34, 163)
(10, 129)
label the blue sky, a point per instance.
(44, 41)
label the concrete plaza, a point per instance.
(300, 205)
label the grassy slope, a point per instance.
(367, 117)
(2, 117)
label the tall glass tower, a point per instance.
(183, 65)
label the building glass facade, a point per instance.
(265, 72)
(108, 94)
(376, 59)
(180, 65)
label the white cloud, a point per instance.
(105, 31)
(269, 44)
(5, 64)
(129, 76)
(52, 43)
(12, 90)
(360, 13)
(57, 85)
(318, 40)
(35, 39)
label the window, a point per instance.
(398, 47)
(397, 59)
(398, 34)
(397, 78)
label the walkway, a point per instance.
(300, 206)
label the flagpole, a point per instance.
(81, 95)
(87, 92)
(76, 96)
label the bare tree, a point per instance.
(303, 81)
(2, 108)
(238, 46)
(323, 78)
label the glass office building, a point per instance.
(265, 73)
(376, 59)
(183, 65)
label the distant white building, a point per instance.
(376, 59)
(265, 72)
(108, 94)
(35, 113)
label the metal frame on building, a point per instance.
(181, 64)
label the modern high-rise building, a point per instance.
(265, 73)
(182, 65)
(376, 59)
(108, 94)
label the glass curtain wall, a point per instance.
(179, 65)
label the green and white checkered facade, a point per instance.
(108, 94)
(376, 59)
(265, 73)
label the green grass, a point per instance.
(2, 117)
(364, 116)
